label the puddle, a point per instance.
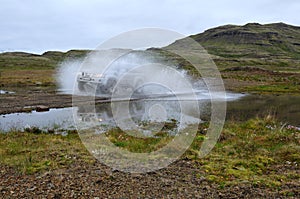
(52, 119)
(165, 109)
(149, 111)
(286, 108)
(6, 92)
(141, 114)
(240, 107)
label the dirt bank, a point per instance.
(11, 103)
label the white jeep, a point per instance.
(104, 84)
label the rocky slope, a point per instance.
(272, 46)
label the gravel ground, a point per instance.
(82, 180)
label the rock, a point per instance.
(42, 108)
(28, 108)
(31, 189)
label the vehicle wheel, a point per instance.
(138, 89)
(110, 85)
(81, 86)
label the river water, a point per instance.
(286, 108)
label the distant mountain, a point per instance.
(271, 46)
(47, 60)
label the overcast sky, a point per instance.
(42, 25)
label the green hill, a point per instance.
(272, 46)
(48, 60)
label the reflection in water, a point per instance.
(54, 119)
(143, 115)
(147, 113)
(286, 108)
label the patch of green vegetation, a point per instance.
(260, 152)
(141, 145)
(251, 152)
(23, 78)
(274, 88)
(133, 144)
(37, 151)
(252, 79)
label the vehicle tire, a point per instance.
(110, 84)
(138, 89)
(81, 87)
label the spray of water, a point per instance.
(122, 63)
(100, 62)
(66, 75)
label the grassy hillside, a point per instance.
(19, 69)
(271, 46)
(48, 60)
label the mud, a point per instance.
(19, 102)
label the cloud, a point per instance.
(39, 26)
